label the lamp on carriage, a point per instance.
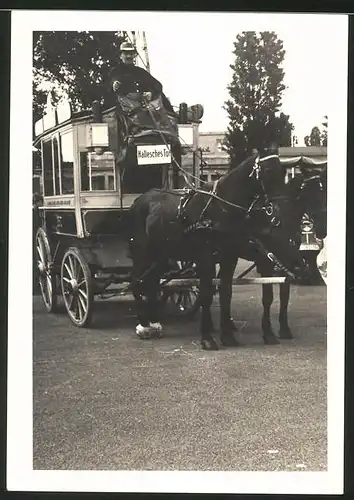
(195, 113)
(190, 114)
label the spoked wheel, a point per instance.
(76, 285)
(182, 302)
(47, 279)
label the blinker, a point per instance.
(269, 209)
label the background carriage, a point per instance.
(94, 165)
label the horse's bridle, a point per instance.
(268, 206)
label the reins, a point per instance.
(212, 194)
(268, 208)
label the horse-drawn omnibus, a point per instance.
(94, 165)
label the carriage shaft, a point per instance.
(235, 281)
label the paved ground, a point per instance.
(104, 399)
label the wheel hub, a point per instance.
(73, 285)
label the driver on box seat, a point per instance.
(127, 78)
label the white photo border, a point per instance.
(20, 473)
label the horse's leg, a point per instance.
(143, 327)
(284, 331)
(206, 272)
(267, 301)
(153, 303)
(228, 265)
(140, 287)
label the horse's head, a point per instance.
(269, 211)
(309, 195)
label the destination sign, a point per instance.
(150, 154)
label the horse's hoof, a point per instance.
(270, 340)
(209, 344)
(143, 332)
(157, 329)
(285, 333)
(229, 341)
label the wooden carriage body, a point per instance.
(91, 178)
(94, 165)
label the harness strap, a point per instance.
(184, 200)
(212, 195)
(213, 192)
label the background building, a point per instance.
(215, 161)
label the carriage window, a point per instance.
(56, 166)
(97, 172)
(67, 163)
(111, 182)
(98, 182)
(48, 168)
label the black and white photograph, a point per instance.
(179, 328)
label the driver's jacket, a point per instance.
(133, 79)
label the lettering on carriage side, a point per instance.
(56, 203)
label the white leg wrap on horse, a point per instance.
(143, 332)
(157, 328)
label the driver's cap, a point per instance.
(127, 47)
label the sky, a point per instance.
(195, 67)
(191, 53)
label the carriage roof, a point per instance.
(58, 119)
(302, 161)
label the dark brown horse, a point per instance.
(309, 196)
(247, 208)
(306, 195)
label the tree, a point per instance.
(316, 137)
(255, 95)
(72, 62)
(279, 130)
(324, 133)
